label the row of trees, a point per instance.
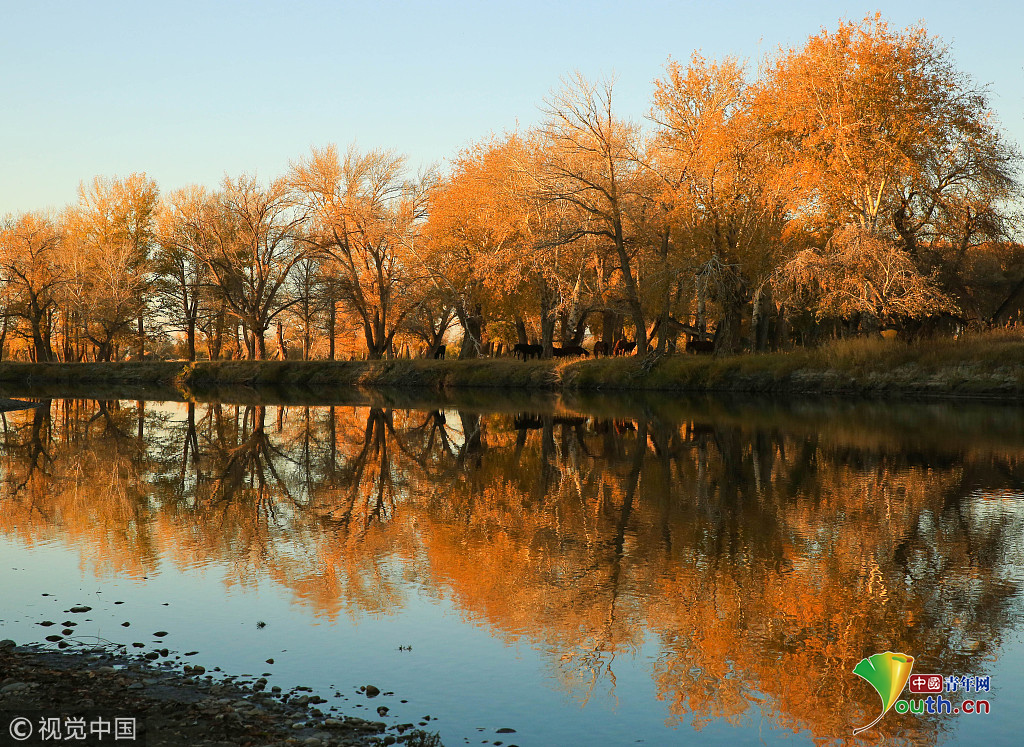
(332, 239)
(856, 182)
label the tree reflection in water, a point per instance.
(764, 556)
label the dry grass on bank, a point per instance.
(990, 364)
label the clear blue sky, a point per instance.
(187, 91)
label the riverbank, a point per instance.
(174, 708)
(988, 366)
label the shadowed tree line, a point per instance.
(762, 557)
(858, 184)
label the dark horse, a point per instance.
(570, 350)
(623, 347)
(527, 351)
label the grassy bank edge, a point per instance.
(986, 366)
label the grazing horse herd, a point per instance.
(525, 352)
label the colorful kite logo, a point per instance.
(888, 674)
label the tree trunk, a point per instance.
(40, 344)
(259, 344)
(250, 344)
(331, 332)
(282, 348)
(780, 336)
(563, 327)
(218, 336)
(1013, 302)
(611, 327)
(701, 321)
(760, 319)
(632, 293)
(547, 334)
(547, 321)
(376, 342)
(142, 338)
(727, 333)
(666, 299)
(521, 337)
(472, 331)
(66, 343)
(191, 312)
(579, 331)
(477, 325)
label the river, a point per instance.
(601, 571)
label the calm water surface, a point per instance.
(603, 571)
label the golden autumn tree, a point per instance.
(590, 163)
(721, 187)
(32, 274)
(859, 272)
(366, 217)
(882, 132)
(249, 238)
(182, 274)
(110, 237)
(476, 221)
(856, 111)
(495, 246)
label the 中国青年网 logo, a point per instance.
(890, 673)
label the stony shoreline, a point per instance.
(180, 708)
